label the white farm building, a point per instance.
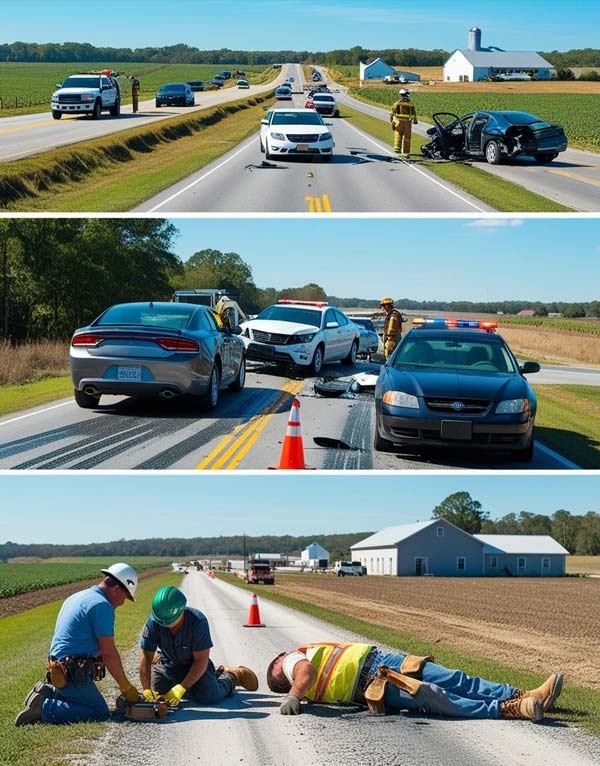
(315, 556)
(378, 70)
(477, 63)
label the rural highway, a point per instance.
(248, 728)
(365, 176)
(245, 432)
(30, 134)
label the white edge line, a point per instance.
(418, 170)
(558, 457)
(197, 181)
(36, 412)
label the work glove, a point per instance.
(130, 693)
(151, 696)
(290, 705)
(175, 695)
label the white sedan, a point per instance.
(295, 132)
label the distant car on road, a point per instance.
(351, 568)
(295, 132)
(494, 136)
(324, 104)
(303, 333)
(243, 84)
(217, 82)
(156, 349)
(196, 85)
(283, 93)
(175, 94)
(455, 384)
(369, 339)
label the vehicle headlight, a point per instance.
(87, 97)
(513, 406)
(54, 98)
(278, 136)
(400, 399)
(325, 136)
(302, 338)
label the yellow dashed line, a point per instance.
(575, 177)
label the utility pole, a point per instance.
(244, 551)
(5, 286)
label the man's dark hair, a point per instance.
(277, 685)
(112, 582)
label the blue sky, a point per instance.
(303, 25)
(93, 508)
(427, 258)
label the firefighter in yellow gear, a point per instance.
(402, 117)
(392, 330)
(135, 92)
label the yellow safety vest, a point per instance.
(337, 667)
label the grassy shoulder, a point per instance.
(568, 421)
(496, 192)
(24, 642)
(116, 173)
(27, 395)
(577, 705)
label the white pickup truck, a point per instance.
(90, 93)
(352, 568)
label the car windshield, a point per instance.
(195, 82)
(443, 354)
(81, 82)
(288, 314)
(520, 118)
(175, 316)
(174, 88)
(296, 118)
(322, 97)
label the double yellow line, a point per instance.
(318, 204)
(231, 450)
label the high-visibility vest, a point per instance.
(337, 667)
(403, 110)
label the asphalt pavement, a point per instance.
(248, 728)
(245, 432)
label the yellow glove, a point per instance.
(130, 693)
(150, 695)
(175, 695)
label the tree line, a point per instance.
(186, 54)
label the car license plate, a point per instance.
(302, 147)
(461, 430)
(129, 373)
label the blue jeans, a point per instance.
(208, 689)
(74, 704)
(444, 692)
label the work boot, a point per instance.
(527, 707)
(242, 676)
(32, 712)
(548, 692)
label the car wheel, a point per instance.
(238, 383)
(115, 110)
(317, 361)
(545, 157)
(56, 115)
(86, 401)
(351, 358)
(492, 153)
(157, 105)
(268, 156)
(262, 146)
(97, 111)
(381, 444)
(211, 398)
(525, 455)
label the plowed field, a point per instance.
(537, 625)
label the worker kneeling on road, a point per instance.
(402, 117)
(389, 682)
(82, 647)
(183, 667)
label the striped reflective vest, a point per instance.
(337, 667)
(403, 110)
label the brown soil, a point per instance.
(24, 601)
(537, 625)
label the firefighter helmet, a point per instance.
(386, 302)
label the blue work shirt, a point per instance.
(177, 650)
(82, 618)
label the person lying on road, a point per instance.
(82, 647)
(361, 674)
(174, 655)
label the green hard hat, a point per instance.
(168, 605)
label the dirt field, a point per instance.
(553, 345)
(537, 625)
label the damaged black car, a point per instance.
(493, 136)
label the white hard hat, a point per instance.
(404, 92)
(125, 575)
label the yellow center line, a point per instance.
(582, 179)
(21, 128)
(326, 205)
(318, 204)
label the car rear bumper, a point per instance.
(314, 149)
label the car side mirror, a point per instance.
(264, 122)
(331, 325)
(528, 368)
(59, 84)
(237, 330)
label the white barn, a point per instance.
(378, 70)
(315, 556)
(477, 63)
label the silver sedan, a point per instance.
(156, 349)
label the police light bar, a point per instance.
(319, 304)
(476, 324)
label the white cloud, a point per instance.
(495, 223)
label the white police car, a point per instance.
(303, 333)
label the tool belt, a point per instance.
(407, 679)
(365, 677)
(74, 670)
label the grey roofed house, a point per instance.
(506, 59)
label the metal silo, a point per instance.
(475, 39)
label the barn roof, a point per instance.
(521, 544)
(506, 59)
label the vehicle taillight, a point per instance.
(309, 105)
(177, 344)
(86, 339)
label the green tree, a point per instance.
(574, 311)
(460, 509)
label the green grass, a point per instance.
(24, 642)
(496, 192)
(577, 705)
(578, 113)
(588, 326)
(568, 421)
(22, 397)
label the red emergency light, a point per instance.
(318, 304)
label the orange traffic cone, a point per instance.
(254, 615)
(292, 452)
